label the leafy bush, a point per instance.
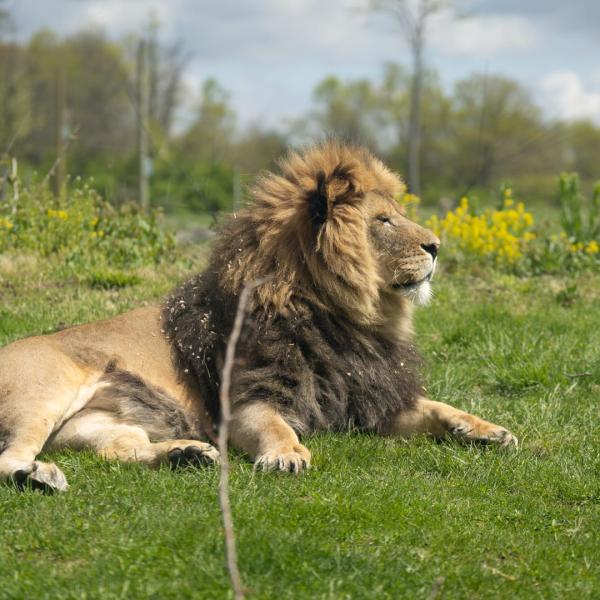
(200, 187)
(110, 279)
(580, 223)
(81, 228)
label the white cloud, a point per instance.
(566, 97)
(484, 36)
(119, 17)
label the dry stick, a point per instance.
(436, 587)
(230, 550)
(13, 179)
(60, 157)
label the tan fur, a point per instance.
(46, 382)
(280, 215)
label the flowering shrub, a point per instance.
(500, 236)
(508, 238)
(80, 227)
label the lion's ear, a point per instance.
(329, 191)
(319, 200)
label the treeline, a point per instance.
(75, 100)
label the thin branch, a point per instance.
(60, 157)
(224, 398)
(436, 587)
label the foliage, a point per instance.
(210, 135)
(111, 279)
(580, 223)
(81, 228)
(202, 187)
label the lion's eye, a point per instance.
(384, 219)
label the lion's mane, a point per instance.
(314, 342)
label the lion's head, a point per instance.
(329, 230)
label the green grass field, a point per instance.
(374, 518)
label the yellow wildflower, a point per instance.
(497, 234)
(63, 215)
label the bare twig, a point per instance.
(495, 571)
(575, 375)
(13, 179)
(436, 587)
(60, 157)
(224, 398)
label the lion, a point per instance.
(326, 343)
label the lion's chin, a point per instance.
(419, 293)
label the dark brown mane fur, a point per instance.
(313, 343)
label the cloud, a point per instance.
(270, 53)
(485, 35)
(121, 17)
(566, 97)
(575, 17)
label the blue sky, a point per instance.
(269, 54)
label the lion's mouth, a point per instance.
(412, 285)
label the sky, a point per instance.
(270, 54)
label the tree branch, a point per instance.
(224, 398)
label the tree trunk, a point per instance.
(60, 172)
(414, 124)
(142, 141)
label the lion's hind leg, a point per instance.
(22, 438)
(34, 402)
(131, 420)
(21, 467)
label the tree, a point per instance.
(5, 20)
(14, 94)
(210, 136)
(98, 103)
(15, 99)
(257, 149)
(166, 63)
(499, 133)
(346, 110)
(584, 150)
(412, 17)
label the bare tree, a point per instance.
(412, 17)
(166, 64)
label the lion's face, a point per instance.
(405, 252)
(329, 230)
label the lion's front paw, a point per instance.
(289, 459)
(482, 432)
(192, 453)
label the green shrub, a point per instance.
(82, 228)
(110, 279)
(198, 187)
(580, 219)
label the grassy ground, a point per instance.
(374, 518)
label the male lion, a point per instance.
(325, 345)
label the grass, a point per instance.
(374, 518)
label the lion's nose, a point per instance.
(431, 249)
